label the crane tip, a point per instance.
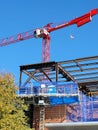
(94, 11)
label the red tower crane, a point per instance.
(45, 31)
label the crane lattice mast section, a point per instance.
(45, 31)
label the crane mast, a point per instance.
(45, 31)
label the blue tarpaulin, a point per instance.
(63, 100)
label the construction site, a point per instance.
(60, 94)
(72, 96)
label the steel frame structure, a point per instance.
(83, 71)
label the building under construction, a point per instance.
(61, 94)
(58, 92)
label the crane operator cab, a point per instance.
(41, 33)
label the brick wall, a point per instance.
(57, 114)
(52, 115)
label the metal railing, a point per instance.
(49, 90)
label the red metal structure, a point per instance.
(44, 33)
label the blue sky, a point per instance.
(18, 16)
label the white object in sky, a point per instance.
(72, 37)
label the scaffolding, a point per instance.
(82, 106)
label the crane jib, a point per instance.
(44, 33)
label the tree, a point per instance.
(12, 116)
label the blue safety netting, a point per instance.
(58, 93)
(86, 110)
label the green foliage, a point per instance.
(12, 108)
